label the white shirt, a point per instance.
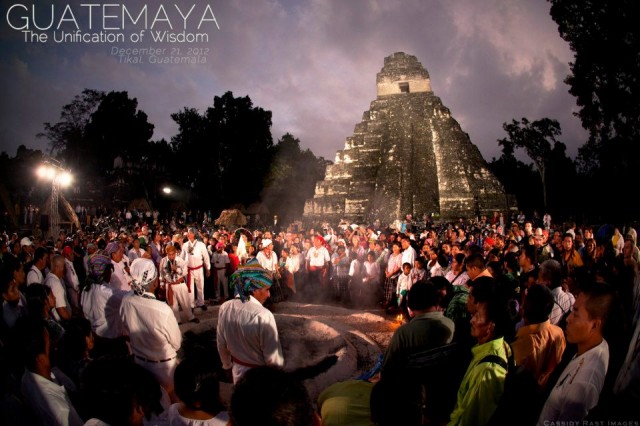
(70, 276)
(151, 326)
(563, 302)
(135, 254)
(220, 260)
(174, 418)
(372, 272)
(247, 331)
(57, 288)
(318, 256)
(578, 387)
(409, 256)
(101, 306)
(34, 276)
(404, 283)
(120, 279)
(48, 400)
(293, 263)
(196, 254)
(268, 263)
(170, 274)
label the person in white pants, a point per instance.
(173, 277)
(195, 253)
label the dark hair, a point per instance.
(36, 296)
(40, 253)
(538, 303)
(511, 261)
(196, 382)
(125, 385)
(422, 295)
(441, 283)
(459, 258)
(599, 299)
(497, 269)
(550, 273)
(29, 338)
(392, 392)
(531, 253)
(73, 344)
(277, 399)
(476, 260)
(101, 244)
(486, 291)
(11, 265)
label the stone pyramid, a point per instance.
(408, 155)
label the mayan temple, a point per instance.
(407, 155)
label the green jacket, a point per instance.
(482, 385)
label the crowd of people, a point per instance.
(519, 320)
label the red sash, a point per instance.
(189, 269)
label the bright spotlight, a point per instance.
(64, 179)
(166, 190)
(41, 172)
(49, 172)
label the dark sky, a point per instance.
(313, 63)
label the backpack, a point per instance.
(521, 400)
(439, 371)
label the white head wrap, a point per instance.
(143, 272)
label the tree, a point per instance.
(605, 37)
(535, 138)
(292, 178)
(67, 137)
(227, 150)
(117, 128)
(519, 179)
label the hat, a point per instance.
(320, 238)
(538, 232)
(219, 245)
(98, 264)
(193, 230)
(265, 243)
(249, 277)
(26, 241)
(341, 241)
(490, 241)
(143, 272)
(67, 250)
(111, 248)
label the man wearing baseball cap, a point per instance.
(26, 250)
